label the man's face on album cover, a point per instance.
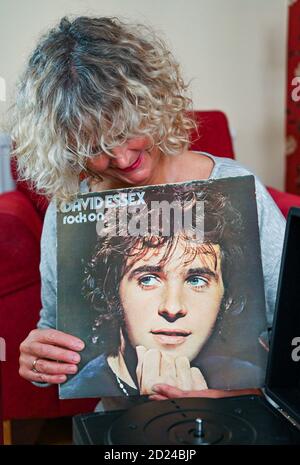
(172, 305)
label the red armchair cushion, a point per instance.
(39, 202)
(20, 230)
(213, 135)
(284, 200)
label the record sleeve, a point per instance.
(164, 284)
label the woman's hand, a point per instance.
(164, 391)
(48, 355)
(155, 367)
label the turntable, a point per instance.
(273, 419)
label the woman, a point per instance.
(104, 100)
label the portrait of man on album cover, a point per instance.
(175, 304)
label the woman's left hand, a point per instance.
(165, 391)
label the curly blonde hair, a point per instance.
(94, 81)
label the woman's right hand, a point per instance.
(49, 355)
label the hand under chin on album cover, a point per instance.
(155, 366)
(162, 377)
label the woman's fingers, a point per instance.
(52, 337)
(168, 391)
(157, 397)
(51, 368)
(52, 353)
(163, 392)
(45, 371)
(33, 376)
(172, 392)
(59, 338)
(46, 351)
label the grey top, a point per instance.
(271, 227)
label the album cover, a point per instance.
(164, 284)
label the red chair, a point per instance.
(212, 135)
(21, 218)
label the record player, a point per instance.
(272, 419)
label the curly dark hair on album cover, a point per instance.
(223, 226)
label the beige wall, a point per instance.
(232, 50)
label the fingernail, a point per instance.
(156, 387)
(62, 378)
(79, 345)
(75, 358)
(71, 369)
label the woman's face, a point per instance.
(173, 306)
(134, 163)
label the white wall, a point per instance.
(232, 50)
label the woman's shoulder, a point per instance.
(221, 167)
(228, 167)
